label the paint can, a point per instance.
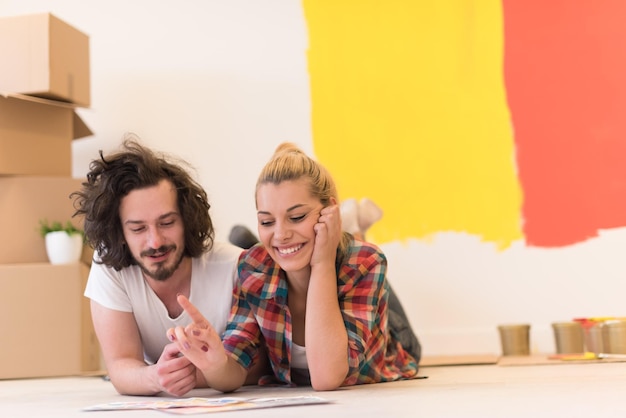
(592, 334)
(569, 337)
(515, 339)
(614, 336)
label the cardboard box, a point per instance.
(46, 331)
(24, 201)
(36, 135)
(91, 359)
(43, 56)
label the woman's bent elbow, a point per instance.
(328, 382)
(325, 386)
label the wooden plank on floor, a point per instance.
(458, 360)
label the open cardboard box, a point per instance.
(44, 56)
(36, 135)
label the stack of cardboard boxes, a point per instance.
(44, 77)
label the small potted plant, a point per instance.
(64, 242)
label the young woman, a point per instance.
(309, 293)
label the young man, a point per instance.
(148, 222)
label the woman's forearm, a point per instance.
(326, 337)
(227, 378)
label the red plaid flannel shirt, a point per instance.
(260, 315)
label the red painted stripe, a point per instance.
(565, 75)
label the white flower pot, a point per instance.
(63, 248)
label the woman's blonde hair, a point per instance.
(289, 162)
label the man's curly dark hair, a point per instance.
(135, 167)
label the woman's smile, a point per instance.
(289, 250)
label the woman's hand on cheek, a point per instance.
(327, 235)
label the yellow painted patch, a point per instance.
(409, 109)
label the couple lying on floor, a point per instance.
(174, 310)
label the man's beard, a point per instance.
(161, 273)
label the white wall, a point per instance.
(221, 83)
(218, 83)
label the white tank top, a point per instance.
(298, 357)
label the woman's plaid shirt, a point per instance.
(260, 315)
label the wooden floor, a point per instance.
(595, 389)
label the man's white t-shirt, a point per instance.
(213, 277)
